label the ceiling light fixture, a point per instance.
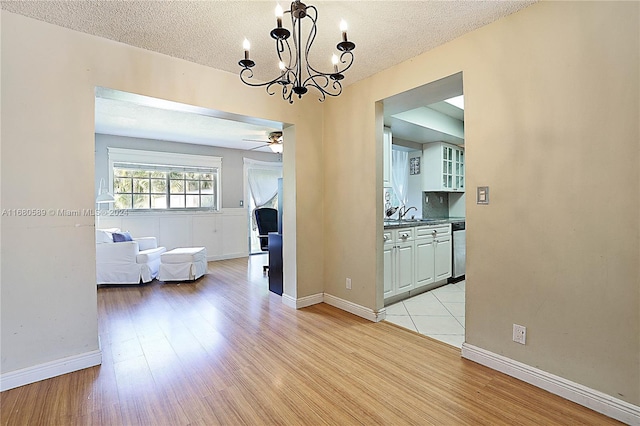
(276, 147)
(296, 73)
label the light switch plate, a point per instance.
(482, 195)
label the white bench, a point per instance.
(183, 264)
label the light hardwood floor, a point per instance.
(223, 350)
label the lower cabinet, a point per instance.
(399, 260)
(442, 257)
(416, 257)
(389, 269)
(425, 267)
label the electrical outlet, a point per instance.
(519, 334)
(348, 283)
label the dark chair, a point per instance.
(267, 221)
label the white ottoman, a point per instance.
(183, 264)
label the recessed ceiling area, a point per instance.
(422, 115)
(127, 114)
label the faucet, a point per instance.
(402, 214)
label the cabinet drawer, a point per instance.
(387, 237)
(433, 231)
(404, 234)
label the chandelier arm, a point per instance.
(286, 94)
(284, 76)
(348, 61)
(250, 75)
(312, 32)
(266, 84)
(335, 87)
(317, 79)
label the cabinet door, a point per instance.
(443, 258)
(447, 167)
(443, 167)
(404, 267)
(386, 154)
(424, 266)
(459, 169)
(389, 269)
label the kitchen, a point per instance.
(424, 208)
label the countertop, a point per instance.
(407, 223)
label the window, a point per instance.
(142, 180)
(143, 187)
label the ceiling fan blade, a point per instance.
(258, 147)
(255, 140)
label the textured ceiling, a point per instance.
(211, 32)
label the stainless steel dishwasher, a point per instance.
(459, 248)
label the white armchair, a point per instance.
(127, 262)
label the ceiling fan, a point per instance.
(274, 142)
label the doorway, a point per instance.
(261, 190)
(424, 195)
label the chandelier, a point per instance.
(296, 73)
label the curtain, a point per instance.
(263, 185)
(262, 179)
(400, 175)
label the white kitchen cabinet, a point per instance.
(433, 254)
(442, 257)
(415, 257)
(389, 267)
(399, 258)
(386, 153)
(443, 167)
(425, 267)
(405, 259)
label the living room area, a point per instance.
(159, 178)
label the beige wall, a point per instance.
(551, 124)
(48, 300)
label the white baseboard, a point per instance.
(587, 397)
(345, 305)
(25, 376)
(213, 258)
(354, 308)
(302, 302)
(289, 301)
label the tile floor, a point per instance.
(438, 313)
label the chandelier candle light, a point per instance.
(296, 73)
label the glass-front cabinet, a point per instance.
(443, 167)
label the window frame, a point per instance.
(167, 159)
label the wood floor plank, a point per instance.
(223, 350)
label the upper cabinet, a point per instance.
(386, 152)
(443, 167)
